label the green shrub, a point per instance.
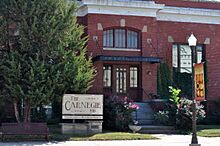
(162, 117)
(38, 114)
(179, 112)
(184, 114)
(117, 113)
(164, 79)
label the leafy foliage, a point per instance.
(184, 82)
(174, 98)
(184, 114)
(44, 54)
(179, 112)
(163, 117)
(164, 80)
(118, 113)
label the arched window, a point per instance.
(121, 38)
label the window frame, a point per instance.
(111, 74)
(126, 38)
(178, 68)
(130, 77)
(121, 87)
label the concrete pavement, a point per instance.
(165, 140)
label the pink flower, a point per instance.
(135, 106)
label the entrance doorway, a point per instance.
(121, 81)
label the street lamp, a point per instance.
(192, 43)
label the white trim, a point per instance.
(82, 10)
(149, 9)
(192, 15)
(134, 8)
(122, 49)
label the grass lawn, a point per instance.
(55, 135)
(103, 136)
(209, 130)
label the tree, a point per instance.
(43, 53)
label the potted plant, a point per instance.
(134, 127)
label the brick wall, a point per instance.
(114, 21)
(148, 49)
(179, 32)
(155, 43)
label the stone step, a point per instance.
(154, 129)
(144, 110)
(143, 116)
(157, 127)
(144, 106)
(142, 103)
(140, 114)
(145, 122)
(159, 131)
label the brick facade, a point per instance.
(96, 48)
(155, 42)
(179, 31)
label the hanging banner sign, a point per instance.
(199, 82)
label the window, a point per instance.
(108, 38)
(133, 77)
(132, 39)
(121, 38)
(107, 75)
(181, 57)
(121, 80)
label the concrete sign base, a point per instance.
(90, 127)
(194, 144)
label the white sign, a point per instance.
(82, 106)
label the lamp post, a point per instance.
(192, 43)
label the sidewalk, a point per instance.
(165, 140)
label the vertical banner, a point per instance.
(199, 82)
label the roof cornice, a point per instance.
(135, 8)
(149, 9)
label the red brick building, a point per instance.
(129, 38)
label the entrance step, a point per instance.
(145, 122)
(145, 118)
(144, 115)
(151, 129)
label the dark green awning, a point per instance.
(127, 58)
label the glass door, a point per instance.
(121, 80)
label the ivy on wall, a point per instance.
(183, 81)
(164, 80)
(168, 76)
